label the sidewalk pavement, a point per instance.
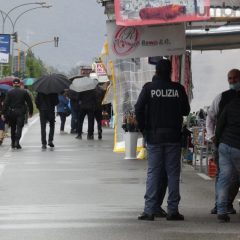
(81, 190)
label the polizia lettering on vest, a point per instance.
(172, 93)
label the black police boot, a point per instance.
(99, 135)
(160, 213)
(44, 146)
(17, 145)
(146, 217)
(50, 144)
(79, 136)
(175, 217)
(231, 210)
(214, 210)
(223, 218)
(90, 137)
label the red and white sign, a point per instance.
(145, 41)
(99, 69)
(143, 12)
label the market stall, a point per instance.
(219, 30)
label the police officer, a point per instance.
(166, 103)
(14, 109)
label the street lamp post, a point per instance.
(14, 24)
(24, 4)
(55, 40)
(6, 16)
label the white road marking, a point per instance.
(26, 127)
(8, 154)
(2, 167)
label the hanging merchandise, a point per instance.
(181, 72)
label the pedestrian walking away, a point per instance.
(166, 103)
(63, 109)
(2, 123)
(87, 104)
(46, 105)
(14, 110)
(98, 109)
(215, 110)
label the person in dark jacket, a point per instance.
(98, 109)
(215, 110)
(62, 109)
(73, 96)
(46, 105)
(87, 104)
(228, 142)
(166, 103)
(2, 123)
(14, 109)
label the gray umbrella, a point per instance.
(52, 83)
(83, 84)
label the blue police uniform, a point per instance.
(159, 111)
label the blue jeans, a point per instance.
(164, 157)
(229, 165)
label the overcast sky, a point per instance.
(80, 26)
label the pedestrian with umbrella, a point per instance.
(9, 81)
(85, 86)
(5, 88)
(48, 87)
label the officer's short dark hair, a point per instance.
(164, 66)
(16, 81)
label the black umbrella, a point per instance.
(52, 83)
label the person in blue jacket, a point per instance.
(63, 109)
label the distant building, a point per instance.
(85, 71)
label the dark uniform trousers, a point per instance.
(16, 122)
(98, 117)
(81, 115)
(45, 117)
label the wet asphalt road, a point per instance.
(81, 190)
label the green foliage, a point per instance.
(6, 70)
(34, 66)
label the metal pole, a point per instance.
(33, 45)
(7, 14)
(14, 24)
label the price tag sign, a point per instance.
(100, 69)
